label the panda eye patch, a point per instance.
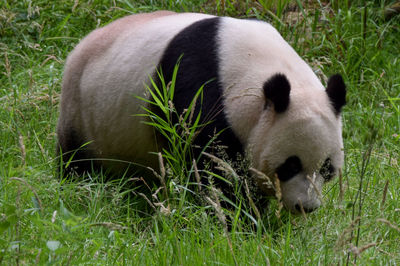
(327, 170)
(291, 167)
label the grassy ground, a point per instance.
(43, 222)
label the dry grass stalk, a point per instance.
(31, 188)
(341, 188)
(278, 192)
(160, 177)
(385, 189)
(147, 199)
(260, 175)
(218, 208)
(197, 175)
(357, 251)
(32, 10)
(163, 210)
(20, 114)
(342, 240)
(395, 227)
(303, 213)
(315, 187)
(223, 166)
(162, 168)
(171, 105)
(252, 204)
(76, 3)
(164, 185)
(133, 179)
(278, 195)
(22, 148)
(192, 110)
(144, 181)
(50, 57)
(221, 217)
(154, 195)
(7, 66)
(155, 174)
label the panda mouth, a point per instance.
(306, 210)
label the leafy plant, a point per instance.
(179, 130)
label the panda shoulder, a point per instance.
(248, 25)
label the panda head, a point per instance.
(298, 138)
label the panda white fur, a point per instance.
(268, 99)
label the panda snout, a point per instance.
(307, 210)
(301, 194)
(299, 206)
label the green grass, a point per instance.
(44, 222)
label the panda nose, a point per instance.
(307, 210)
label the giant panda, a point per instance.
(266, 101)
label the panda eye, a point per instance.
(327, 170)
(291, 167)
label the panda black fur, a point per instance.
(198, 46)
(258, 90)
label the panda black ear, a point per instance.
(336, 91)
(277, 90)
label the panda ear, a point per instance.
(336, 91)
(277, 90)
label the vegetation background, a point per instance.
(44, 222)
